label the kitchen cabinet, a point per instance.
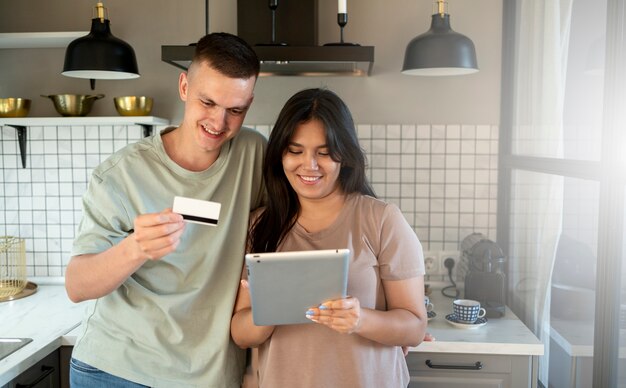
(436, 370)
(44, 374)
(65, 354)
(502, 353)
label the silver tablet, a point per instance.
(284, 285)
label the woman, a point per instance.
(319, 198)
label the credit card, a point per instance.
(197, 210)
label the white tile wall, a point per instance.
(442, 177)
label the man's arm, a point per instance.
(92, 276)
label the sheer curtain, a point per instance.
(540, 63)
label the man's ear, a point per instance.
(183, 85)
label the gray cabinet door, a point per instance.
(459, 382)
(434, 370)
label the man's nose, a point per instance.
(218, 117)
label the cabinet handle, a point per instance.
(47, 371)
(477, 366)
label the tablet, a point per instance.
(284, 285)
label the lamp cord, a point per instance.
(206, 17)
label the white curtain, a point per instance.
(540, 63)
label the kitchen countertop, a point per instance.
(576, 337)
(52, 320)
(45, 316)
(505, 336)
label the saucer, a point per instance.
(431, 315)
(451, 318)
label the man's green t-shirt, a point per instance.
(168, 324)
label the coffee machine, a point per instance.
(485, 279)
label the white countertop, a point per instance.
(52, 320)
(45, 316)
(576, 337)
(506, 335)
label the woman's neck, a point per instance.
(319, 214)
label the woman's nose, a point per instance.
(311, 162)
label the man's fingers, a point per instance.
(160, 240)
(153, 219)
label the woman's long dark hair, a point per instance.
(283, 206)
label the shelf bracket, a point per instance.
(21, 138)
(147, 129)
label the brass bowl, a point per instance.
(133, 105)
(14, 107)
(73, 104)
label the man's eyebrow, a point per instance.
(242, 107)
(210, 100)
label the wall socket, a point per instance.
(431, 263)
(454, 255)
(437, 271)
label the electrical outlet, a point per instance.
(454, 255)
(431, 263)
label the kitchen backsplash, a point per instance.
(443, 177)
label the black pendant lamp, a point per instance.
(100, 55)
(440, 50)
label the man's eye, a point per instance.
(207, 103)
(236, 112)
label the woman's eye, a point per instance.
(292, 151)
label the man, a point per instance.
(163, 291)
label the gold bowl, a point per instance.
(133, 105)
(70, 105)
(14, 107)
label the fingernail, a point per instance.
(310, 312)
(322, 307)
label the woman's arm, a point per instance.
(242, 328)
(403, 324)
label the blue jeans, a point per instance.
(86, 376)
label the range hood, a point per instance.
(294, 60)
(293, 48)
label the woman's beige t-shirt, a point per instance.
(383, 247)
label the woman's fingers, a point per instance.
(346, 303)
(342, 315)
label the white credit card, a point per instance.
(197, 211)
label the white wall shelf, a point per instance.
(12, 40)
(20, 124)
(84, 120)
